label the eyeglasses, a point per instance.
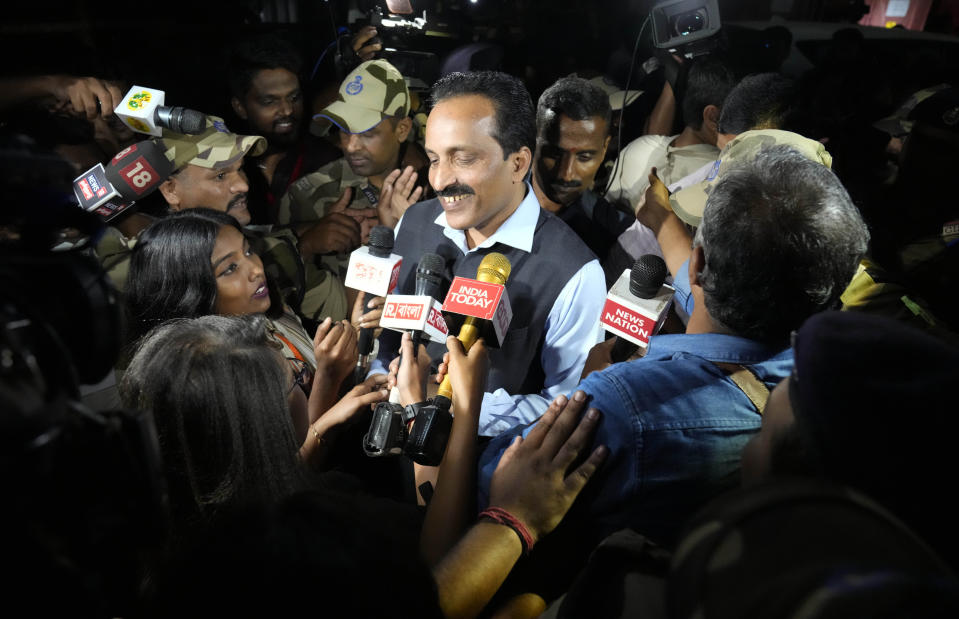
(301, 373)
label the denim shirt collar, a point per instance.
(714, 347)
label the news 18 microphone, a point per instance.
(636, 306)
(493, 270)
(132, 174)
(142, 110)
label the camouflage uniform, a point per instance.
(373, 92)
(688, 203)
(302, 286)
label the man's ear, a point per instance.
(520, 162)
(697, 262)
(169, 190)
(711, 117)
(238, 108)
(403, 127)
(602, 155)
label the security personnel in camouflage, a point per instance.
(207, 172)
(371, 113)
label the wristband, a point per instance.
(503, 517)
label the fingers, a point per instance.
(541, 428)
(406, 348)
(375, 381)
(577, 479)
(510, 452)
(321, 331)
(361, 214)
(416, 195)
(368, 397)
(340, 205)
(565, 424)
(83, 100)
(578, 437)
(455, 347)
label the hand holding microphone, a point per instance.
(374, 271)
(133, 173)
(143, 111)
(636, 306)
(486, 306)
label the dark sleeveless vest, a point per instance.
(535, 281)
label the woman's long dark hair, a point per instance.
(170, 272)
(215, 387)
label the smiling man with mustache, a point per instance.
(479, 139)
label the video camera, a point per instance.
(85, 493)
(686, 27)
(398, 28)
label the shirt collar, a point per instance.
(517, 231)
(714, 347)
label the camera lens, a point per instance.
(687, 23)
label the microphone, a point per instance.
(636, 306)
(138, 170)
(380, 247)
(133, 173)
(420, 314)
(485, 304)
(142, 110)
(429, 277)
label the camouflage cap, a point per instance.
(900, 122)
(215, 148)
(373, 91)
(688, 203)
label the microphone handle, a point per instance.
(365, 343)
(468, 334)
(623, 349)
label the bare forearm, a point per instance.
(472, 572)
(660, 121)
(674, 239)
(452, 505)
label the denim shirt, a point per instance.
(675, 426)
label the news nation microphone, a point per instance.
(142, 110)
(373, 271)
(636, 306)
(132, 174)
(484, 303)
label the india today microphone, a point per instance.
(484, 303)
(636, 306)
(142, 110)
(132, 174)
(374, 270)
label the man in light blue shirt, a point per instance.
(479, 140)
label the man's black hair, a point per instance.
(513, 107)
(575, 97)
(761, 101)
(708, 82)
(259, 53)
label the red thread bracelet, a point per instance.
(503, 517)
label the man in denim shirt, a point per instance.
(779, 241)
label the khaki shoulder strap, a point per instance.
(755, 389)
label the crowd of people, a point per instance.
(792, 416)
